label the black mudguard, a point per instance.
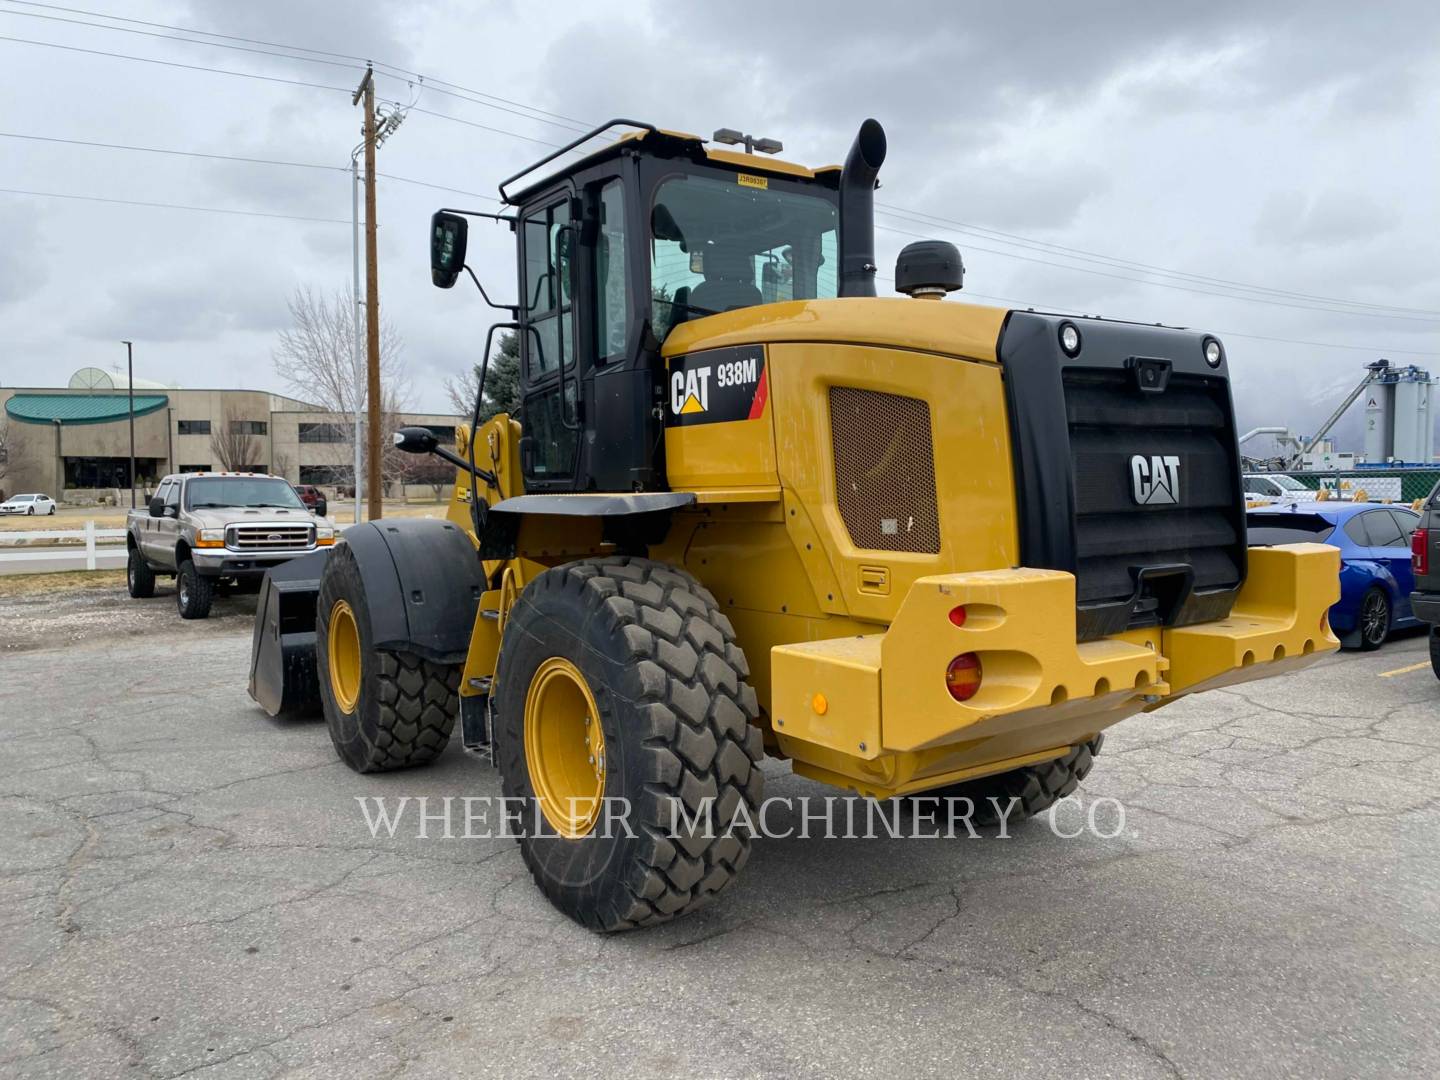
(423, 581)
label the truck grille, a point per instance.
(269, 537)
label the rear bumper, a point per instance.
(1041, 691)
(1426, 606)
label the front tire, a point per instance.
(1374, 621)
(139, 577)
(386, 709)
(620, 679)
(193, 592)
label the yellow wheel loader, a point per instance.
(747, 507)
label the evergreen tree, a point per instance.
(502, 381)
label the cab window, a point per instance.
(547, 300)
(172, 495)
(612, 305)
(718, 244)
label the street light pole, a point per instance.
(130, 389)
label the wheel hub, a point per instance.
(343, 652)
(565, 748)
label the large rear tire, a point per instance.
(620, 679)
(1036, 787)
(386, 709)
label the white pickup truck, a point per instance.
(207, 528)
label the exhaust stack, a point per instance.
(857, 210)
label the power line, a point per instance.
(172, 206)
(1173, 285)
(1090, 256)
(899, 212)
(176, 153)
(175, 64)
(342, 60)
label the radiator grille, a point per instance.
(884, 470)
(268, 537)
(1110, 421)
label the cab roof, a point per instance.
(661, 143)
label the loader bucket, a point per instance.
(283, 675)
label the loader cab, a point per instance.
(617, 249)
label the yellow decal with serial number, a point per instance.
(746, 180)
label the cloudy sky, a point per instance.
(1270, 172)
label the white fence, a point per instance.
(90, 533)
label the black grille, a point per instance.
(1110, 421)
(1081, 429)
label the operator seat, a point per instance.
(729, 283)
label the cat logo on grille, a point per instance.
(1155, 479)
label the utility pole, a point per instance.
(130, 389)
(355, 354)
(373, 484)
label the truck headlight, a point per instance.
(210, 538)
(324, 537)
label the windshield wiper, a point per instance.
(211, 506)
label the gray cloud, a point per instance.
(1288, 144)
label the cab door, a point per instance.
(549, 372)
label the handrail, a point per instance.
(505, 195)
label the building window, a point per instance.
(193, 468)
(249, 427)
(109, 472)
(324, 474)
(331, 433)
(192, 427)
(445, 433)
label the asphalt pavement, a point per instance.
(190, 888)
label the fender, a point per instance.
(423, 582)
(625, 518)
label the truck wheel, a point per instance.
(139, 577)
(193, 592)
(621, 700)
(1038, 787)
(1374, 619)
(385, 709)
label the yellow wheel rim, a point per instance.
(565, 748)
(344, 655)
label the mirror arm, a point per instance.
(513, 309)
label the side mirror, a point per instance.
(447, 248)
(157, 508)
(415, 440)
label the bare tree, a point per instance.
(10, 451)
(315, 358)
(502, 382)
(281, 465)
(232, 444)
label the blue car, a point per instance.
(1375, 574)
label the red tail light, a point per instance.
(962, 677)
(1420, 551)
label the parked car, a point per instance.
(1425, 564)
(1376, 578)
(312, 497)
(207, 528)
(1275, 488)
(28, 504)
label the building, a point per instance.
(74, 443)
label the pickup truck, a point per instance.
(206, 529)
